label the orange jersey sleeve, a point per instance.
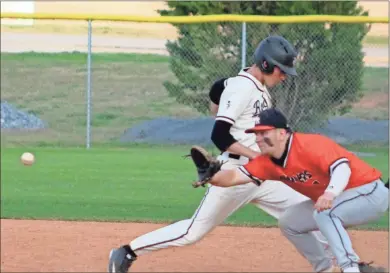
(259, 169)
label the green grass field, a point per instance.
(126, 89)
(133, 184)
(109, 182)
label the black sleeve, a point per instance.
(216, 90)
(221, 136)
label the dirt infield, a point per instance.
(58, 246)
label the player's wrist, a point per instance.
(254, 155)
(331, 193)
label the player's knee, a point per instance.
(285, 223)
(321, 216)
(193, 237)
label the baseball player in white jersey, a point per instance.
(242, 99)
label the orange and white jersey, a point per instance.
(308, 165)
(240, 104)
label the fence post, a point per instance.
(243, 45)
(88, 140)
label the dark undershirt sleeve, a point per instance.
(216, 90)
(221, 136)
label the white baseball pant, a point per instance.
(219, 203)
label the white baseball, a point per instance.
(27, 158)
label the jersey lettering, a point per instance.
(264, 105)
(257, 108)
(302, 177)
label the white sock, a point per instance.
(351, 269)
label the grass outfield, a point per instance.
(126, 89)
(135, 184)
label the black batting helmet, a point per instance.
(275, 51)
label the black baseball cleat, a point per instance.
(121, 259)
(368, 268)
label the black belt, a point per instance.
(234, 156)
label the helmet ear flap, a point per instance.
(265, 66)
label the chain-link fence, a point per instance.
(154, 91)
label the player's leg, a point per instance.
(217, 204)
(297, 222)
(275, 197)
(297, 225)
(353, 207)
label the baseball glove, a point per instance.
(206, 165)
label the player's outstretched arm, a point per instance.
(227, 178)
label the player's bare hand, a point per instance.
(325, 201)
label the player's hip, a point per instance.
(375, 192)
(363, 181)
